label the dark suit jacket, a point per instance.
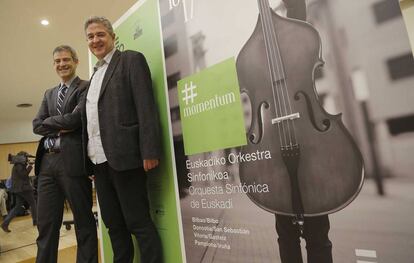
(128, 118)
(20, 178)
(49, 122)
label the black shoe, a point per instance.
(5, 228)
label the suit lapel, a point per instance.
(110, 70)
(70, 91)
(53, 103)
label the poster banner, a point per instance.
(139, 29)
(274, 115)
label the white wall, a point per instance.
(16, 132)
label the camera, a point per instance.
(21, 157)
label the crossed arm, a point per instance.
(51, 126)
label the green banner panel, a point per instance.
(139, 29)
(210, 109)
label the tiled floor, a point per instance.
(20, 243)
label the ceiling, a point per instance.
(26, 69)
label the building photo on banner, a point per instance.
(137, 28)
(286, 126)
(322, 124)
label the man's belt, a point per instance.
(52, 150)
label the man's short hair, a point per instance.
(68, 49)
(100, 20)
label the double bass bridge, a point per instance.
(286, 117)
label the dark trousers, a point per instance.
(54, 185)
(123, 202)
(21, 197)
(315, 233)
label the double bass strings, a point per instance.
(285, 95)
(270, 65)
(275, 53)
(276, 71)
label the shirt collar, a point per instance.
(68, 83)
(106, 60)
(108, 56)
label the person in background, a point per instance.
(21, 187)
(3, 201)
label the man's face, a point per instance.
(100, 41)
(64, 65)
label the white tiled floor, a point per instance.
(20, 243)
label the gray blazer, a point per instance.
(48, 122)
(128, 117)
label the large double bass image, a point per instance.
(315, 166)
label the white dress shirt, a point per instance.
(95, 150)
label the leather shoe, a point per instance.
(5, 228)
